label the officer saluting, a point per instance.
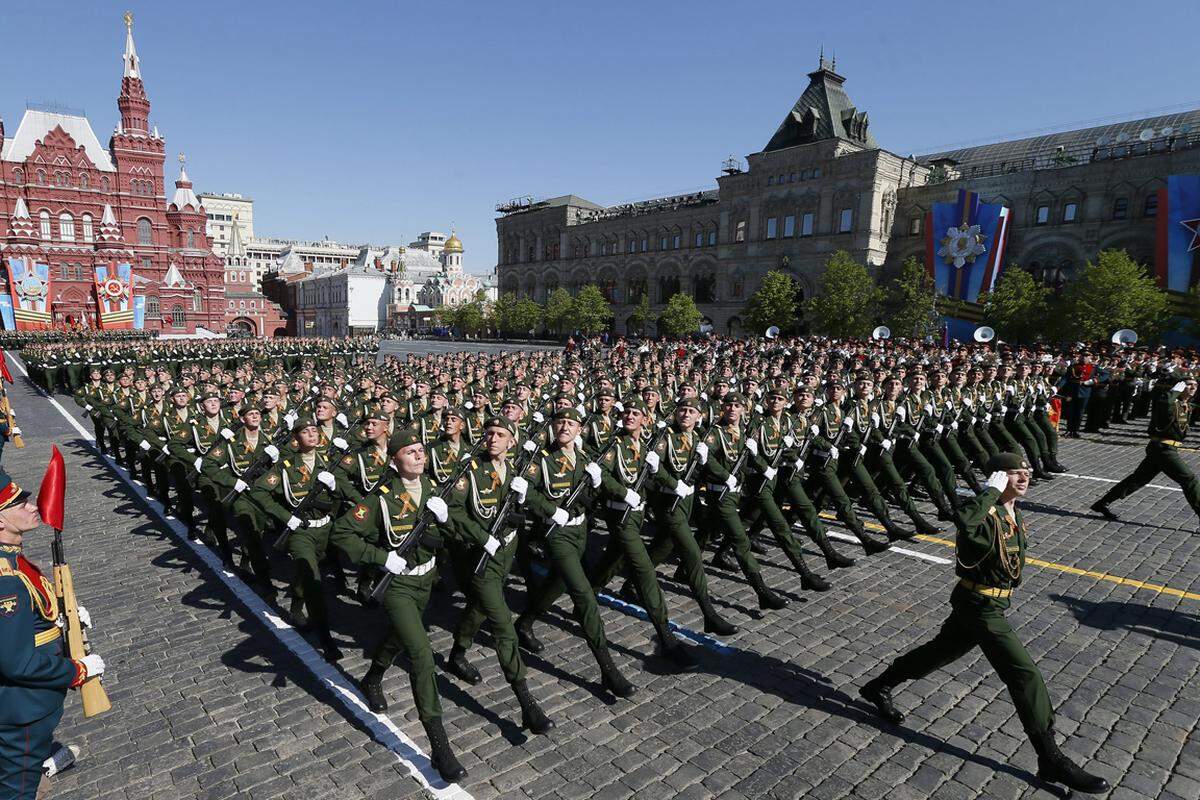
(991, 555)
(34, 674)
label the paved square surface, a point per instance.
(212, 699)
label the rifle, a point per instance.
(775, 460)
(573, 497)
(258, 467)
(737, 467)
(95, 699)
(11, 418)
(644, 473)
(314, 493)
(418, 532)
(689, 471)
(837, 441)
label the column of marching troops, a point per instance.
(480, 465)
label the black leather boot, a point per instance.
(674, 651)
(1101, 508)
(833, 559)
(372, 689)
(611, 677)
(724, 559)
(525, 636)
(895, 532)
(296, 612)
(459, 666)
(879, 694)
(1055, 766)
(923, 525)
(714, 622)
(767, 599)
(441, 756)
(532, 716)
(329, 648)
(870, 544)
(809, 580)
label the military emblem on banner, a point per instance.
(965, 245)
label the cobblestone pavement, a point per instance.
(209, 702)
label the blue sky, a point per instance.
(372, 121)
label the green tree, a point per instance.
(501, 313)
(1114, 292)
(680, 317)
(590, 311)
(640, 316)
(912, 302)
(773, 304)
(847, 301)
(1018, 307)
(470, 317)
(526, 315)
(558, 310)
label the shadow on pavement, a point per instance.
(1166, 624)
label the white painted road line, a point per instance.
(846, 537)
(1115, 480)
(381, 727)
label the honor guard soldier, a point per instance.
(223, 468)
(990, 557)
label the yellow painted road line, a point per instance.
(1037, 562)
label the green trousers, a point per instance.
(984, 436)
(931, 448)
(625, 543)
(851, 468)
(763, 508)
(887, 477)
(1025, 439)
(1002, 436)
(564, 549)
(977, 621)
(789, 491)
(674, 534)
(251, 523)
(725, 516)
(404, 603)
(910, 459)
(1048, 441)
(823, 478)
(307, 547)
(485, 601)
(1163, 458)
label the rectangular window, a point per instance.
(662, 243)
(645, 245)
(845, 220)
(792, 178)
(1121, 208)
(806, 224)
(595, 249)
(914, 226)
(789, 226)
(805, 174)
(770, 180)
(632, 245)
(1069, 211)
(1151, 207)
(64, 271)
(739, 234)
(675, 241)
(816, 172)
(1043, 215)
(699, 239)
(772, 228)
(712, 238)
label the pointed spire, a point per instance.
(21, 210)
(184, 196)
(110, 230)
(20, 225)
(132, 67)
(235, 248)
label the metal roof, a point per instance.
(36, 124)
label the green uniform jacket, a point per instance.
(285, 486)
(990, 547)
(476, 499)
(381, 522)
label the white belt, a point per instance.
(573, 521)
(507, 540)
(420, 569)
(716, 487)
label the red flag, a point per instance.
(54, 491)
(4, 367)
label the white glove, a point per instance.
(1179, 387)
(342, 419)
(798, 465)
(998, 480)
(166, 450)
(1021, 408)
(683, 490)
(85, 619)
(88, 407)
(438, 507)
(538, 418)
(327, 479)
(619, 407)
(814, 429)
(340, 443)
(290, 418)
(731, 483)
(94, 664)
(886, 444)
(197, 463)
(902, 413)
(560, 517)
(491, 545)
(652, 461)
(849, 423)
(520, 486)
(227, 434)
(788, 440)
(529, 446)
(702, 452)
(293, 522)
(954, 425)
(632, 499)
(395, 564)
(929, 406)
(468, 405)
(1011, 389)
(987, 418)
(272, 451)
(752, 446)
(144, 445)
(874, 419)
(968, 402)
(940, 427)
(833, 453)
(769, 473)
(319, 522)
(593, 471)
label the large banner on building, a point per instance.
(27, 305)
(119, 307)
(1178, 242)
(964, 245)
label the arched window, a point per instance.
(145, 233)
(89, 232)
(83, 180)
(18, 175)
(197, 299)
(66, 227)
(104, 184)
(152, 308)
(41, 177)
(191, 240)
(177, 318)
(44, 223)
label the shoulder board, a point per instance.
(384, 490)
(474, 464)
(546, 453)
(287, 463)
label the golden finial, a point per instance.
(182, 158)
(128, 20)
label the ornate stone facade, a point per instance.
(823, 184)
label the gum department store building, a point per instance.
(822, 183)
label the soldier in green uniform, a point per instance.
(551, 477)
(279, 494)
(475, 502)
(190, 438)
(990, 555)
(223, 468)
(1170, 412)
(369, 535)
